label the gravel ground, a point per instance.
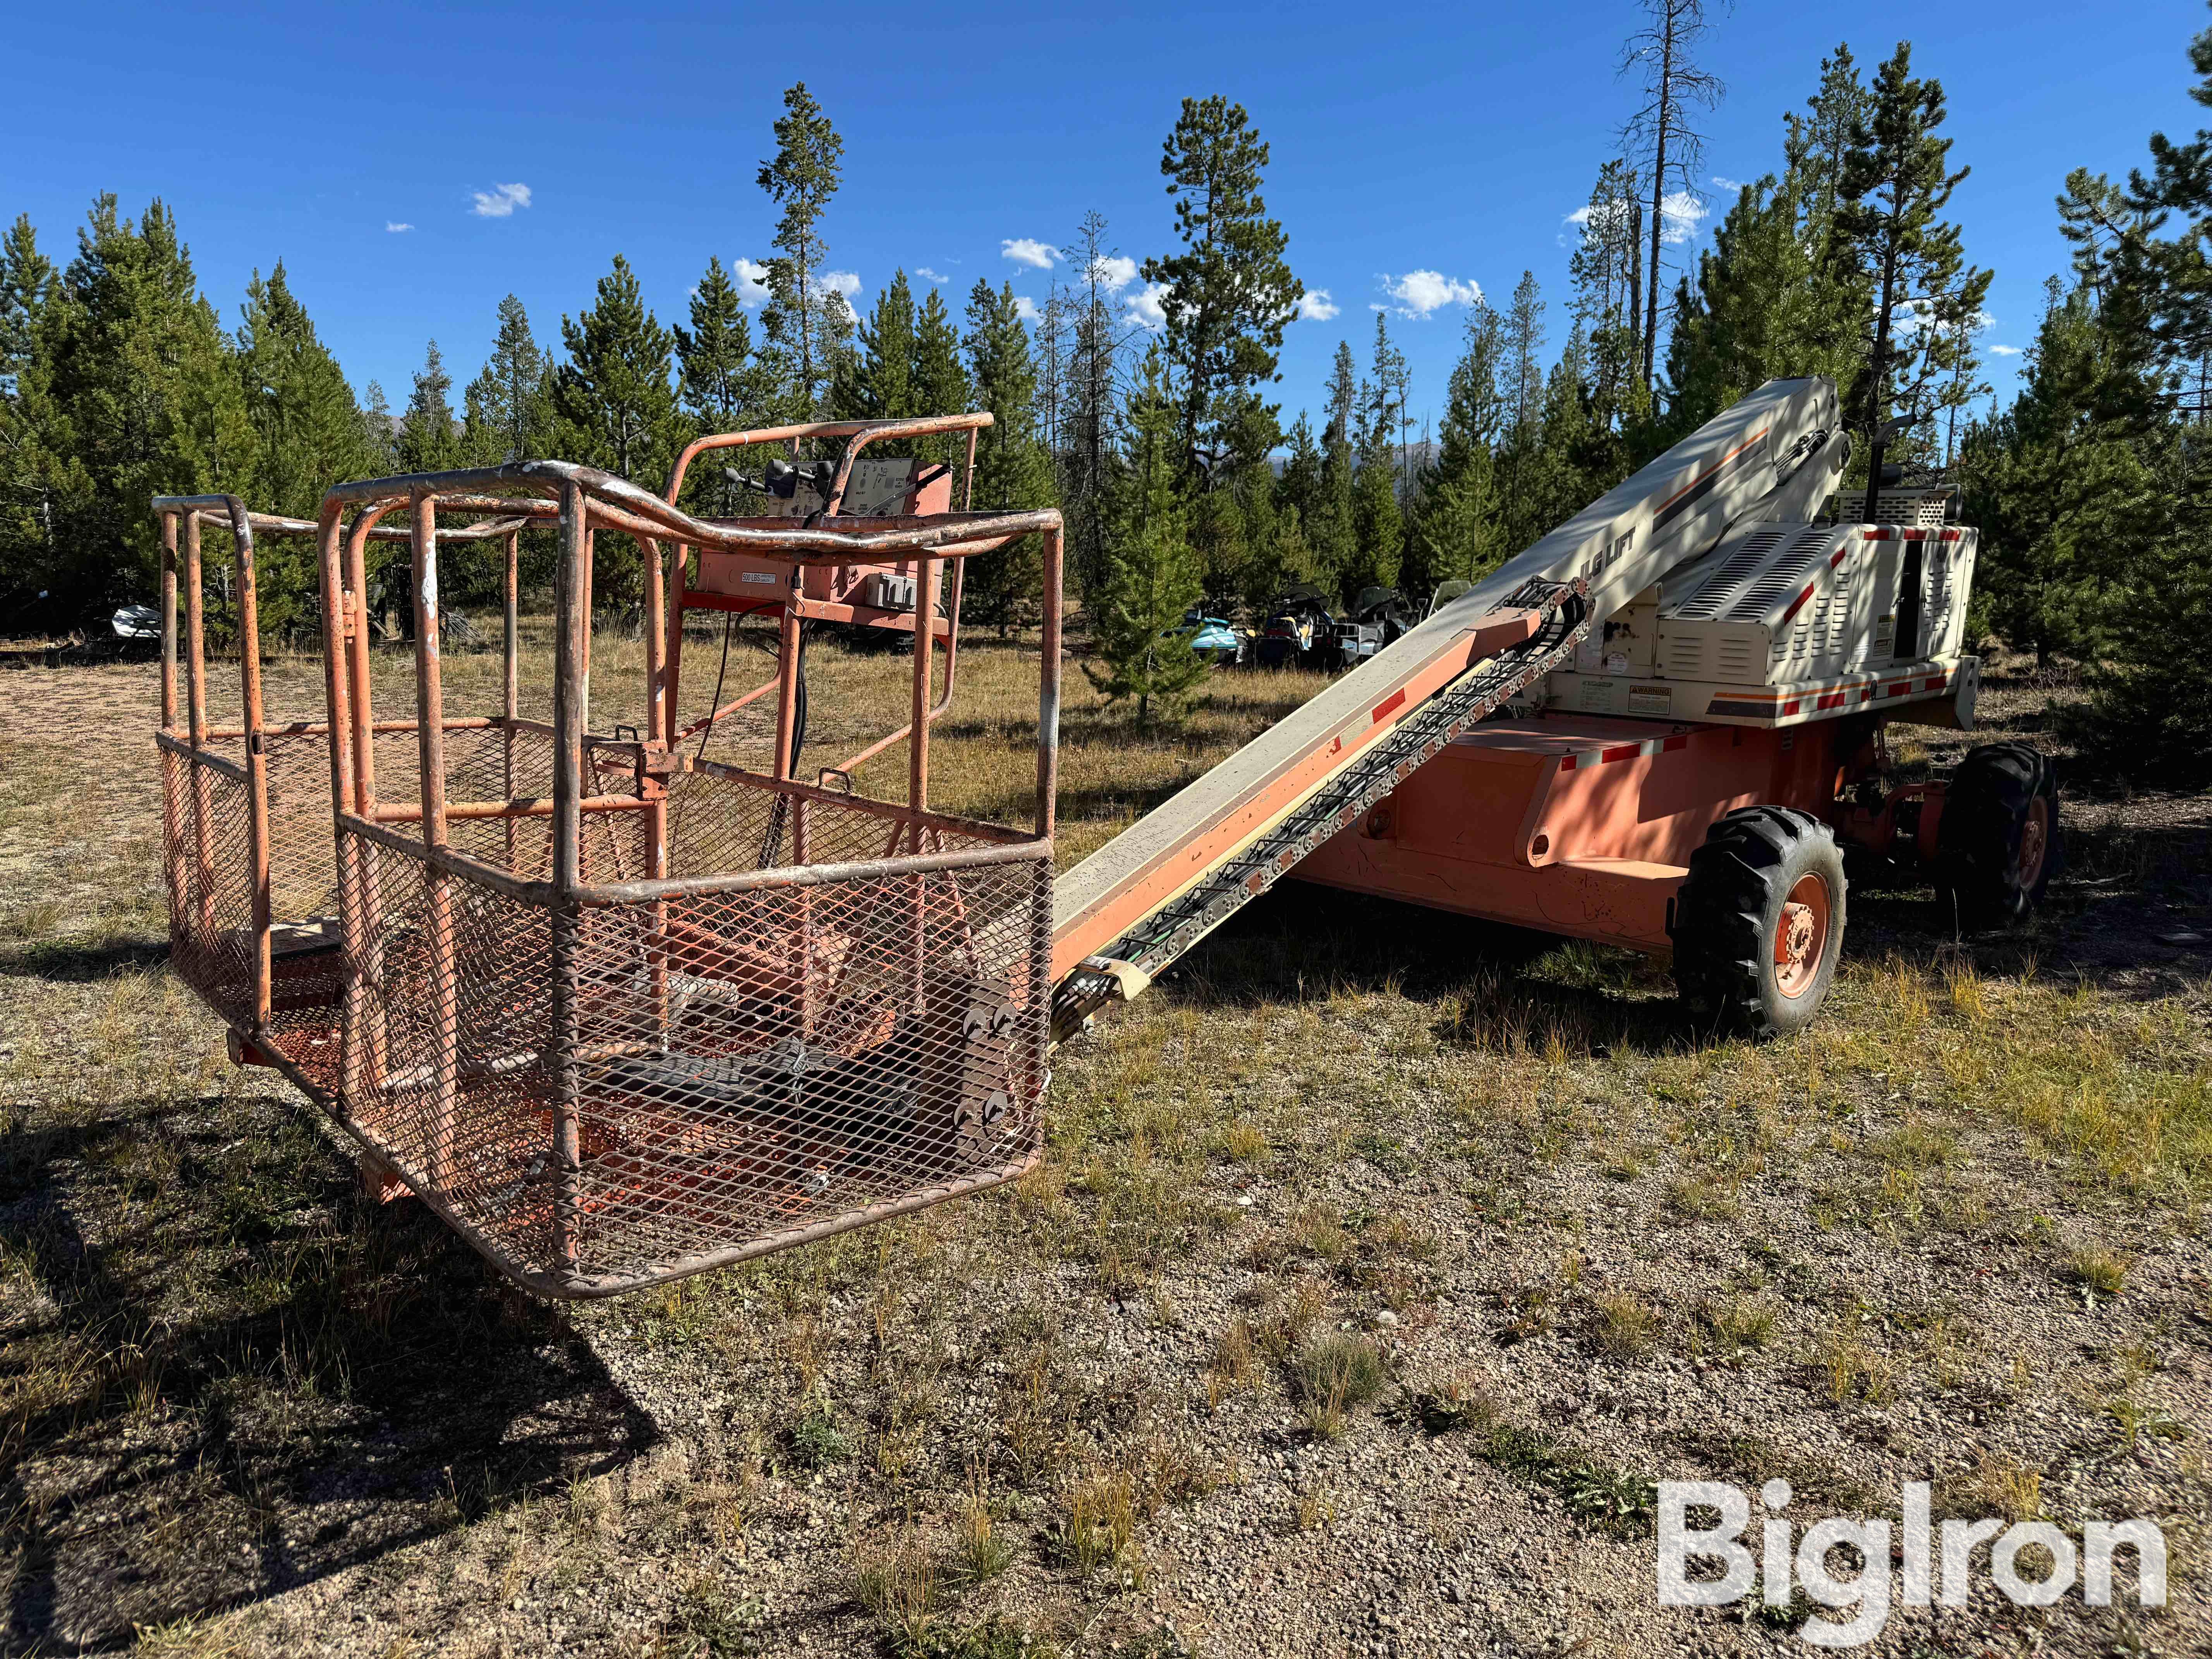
(1376, 1271)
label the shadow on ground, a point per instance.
(2131, 889)
(230, 1373)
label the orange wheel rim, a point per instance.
(2034, 840)
(1801, 936)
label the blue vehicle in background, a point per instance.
(1214, 638)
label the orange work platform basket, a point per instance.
(618, 1013)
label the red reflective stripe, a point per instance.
(1389, 706)
(1833, 700)
(1934, 683)
(1797, 604)
(1837, 557)
(1622, 752)
(1681, 741)
(1714, 468)
(1566, 762)
(1790, 707)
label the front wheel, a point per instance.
(1998, 843)
(1758, 921)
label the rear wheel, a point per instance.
(1998, 844)
(1758, 921)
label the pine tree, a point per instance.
(1285, 556)
(1766, 301)
(807, 322)
(2149, 714)
(309, 437)
(723, 386)
(1054, 323)
(504, 419)
(1378, 527)
(616, 406)
(1333, 529)
(613, 395)
(1607, 269)
(1895, 180)
(1520, 457)
(882, 384)
(26, 282)
(43, 488)
(1817, 141)
(132, 393)
(1014, 471)
(1456, 533)
(429, 442)
(1094, 375)
(1229, 293)
(1153, 576)
(379, 432)
(2054, 483)
(940, 383)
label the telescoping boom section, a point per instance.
(1129, 910)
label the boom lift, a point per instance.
(622, 1013)
(1693, 675)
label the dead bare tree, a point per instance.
(1673, 85)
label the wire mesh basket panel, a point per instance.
(208, 868)
(734, 1071)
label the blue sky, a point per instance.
(526, 146)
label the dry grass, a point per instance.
(218, 1357)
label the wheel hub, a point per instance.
(1801, 936)
(2034, 840)
(1796, 931)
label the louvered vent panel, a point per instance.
(1733, 661)
(1683, 657)
(1782, 579)
(1939, 595)
(1717, 592)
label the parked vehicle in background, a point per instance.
(1445, 593)
(1381, 616)
(1218, 639)
(1300, 631)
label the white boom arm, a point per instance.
(1773, 454)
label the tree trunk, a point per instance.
(1636, 272)
(1877, 372)
(1658, 201)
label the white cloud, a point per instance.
(1027, 251)
(1684, 214)
(752, 281)
(1913, 318)
(846, 283)
(2005, 351)
(1145, 309)
(395, 225)
(1720, 183)
(1418, 293)
(929, 275)
(1025, 308)
(501, 201)
(1113, 272)
(1315, 307)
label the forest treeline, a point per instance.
(1158, 431)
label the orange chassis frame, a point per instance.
(1583, 825)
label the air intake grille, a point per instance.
(1782, 580)
(1717, 594)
